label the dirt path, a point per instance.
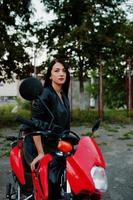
(116, 143)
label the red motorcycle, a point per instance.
(82, 178)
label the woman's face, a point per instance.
(58, 74)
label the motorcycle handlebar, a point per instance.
(63, 135)
(25, 121)
(32, 125)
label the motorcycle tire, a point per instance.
(8, 191)
(13, 191)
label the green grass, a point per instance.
(109, 128)
(1, 135)
(95, 135)
(110, 134)
(78, 117)
(5, 148)
(7, 118)
(127, 136)
(117, 116)
(103, 144)
(130, 145)
(88, 117)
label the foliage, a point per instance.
(114, 86)
(15, 30)
(7, 118)
(86, 32)
(117, 116)
(24, 104)
(80, 117)
(115, 92)
(83, 116)
(92, 87)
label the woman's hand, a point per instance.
(39, 157)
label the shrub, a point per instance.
(79, 117)
(26, 105)
(89, 116)
(7, 117)
(117, 116)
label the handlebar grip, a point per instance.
(25, 121)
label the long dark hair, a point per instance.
(47, 82)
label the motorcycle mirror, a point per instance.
(30, 88)
(96, 125)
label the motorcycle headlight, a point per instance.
(100, 179)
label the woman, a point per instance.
(55, 97)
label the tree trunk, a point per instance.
(129, 88)
(100, 103)
(81, 79)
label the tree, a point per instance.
(15, 28)
(115, 69)
(83, 32)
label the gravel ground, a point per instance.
(116, 143)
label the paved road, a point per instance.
(116, 143)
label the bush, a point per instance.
(79, 117)
(26, 105)
(89, 116)
(117, 116)
(7, 117)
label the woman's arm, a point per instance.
(38, 144)
(38, 113)
(39, 147)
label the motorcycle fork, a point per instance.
(65, 186)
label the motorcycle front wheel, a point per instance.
(13, 192)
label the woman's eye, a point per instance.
(57, 70)
(60, 70)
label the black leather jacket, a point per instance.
(60, 111)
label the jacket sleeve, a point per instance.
(40, 113)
